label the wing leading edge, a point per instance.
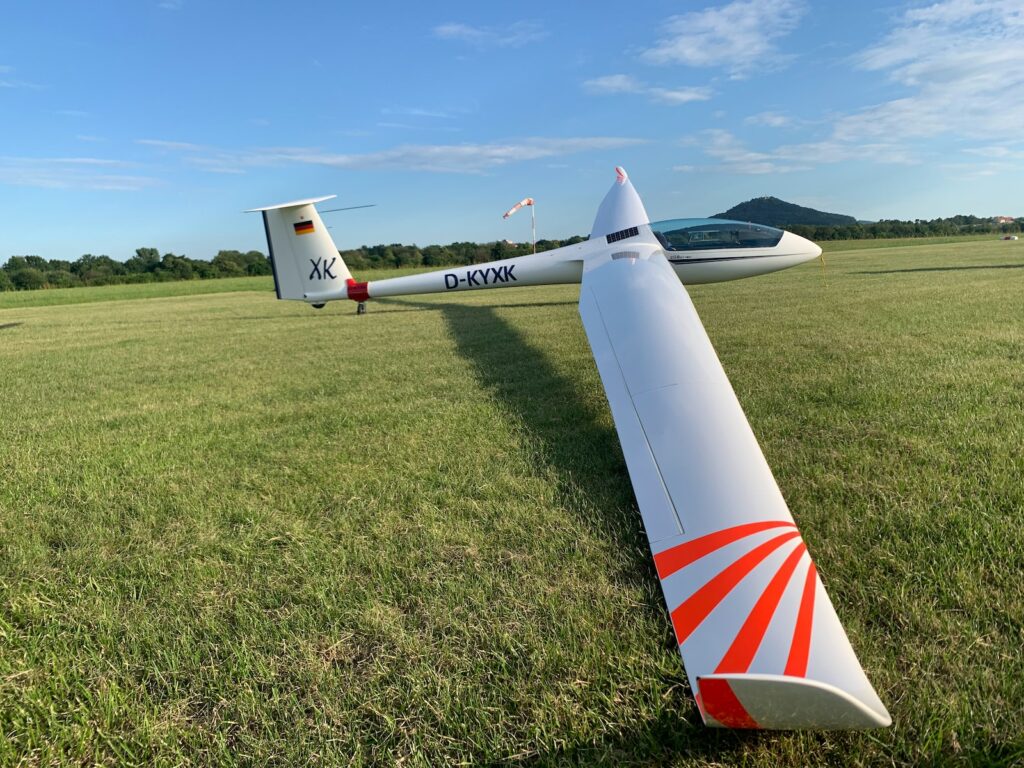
(760, 640)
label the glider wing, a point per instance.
(760, 640)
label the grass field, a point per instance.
(238, 531)
(59, 296)
(834, 246)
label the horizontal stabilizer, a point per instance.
(293, 204)
(782, 702)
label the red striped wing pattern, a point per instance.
(715, 696)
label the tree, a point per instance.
(256, 263)
(97, 270)
(177, 266)
(28, 279)
(61, 278)
(437, 256)
(14, 264)
(500, 250)
(229, 264)
(144, 260)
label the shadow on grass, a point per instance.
(383, 307)
(386, 306)
(666, 740)
(941, 269)
(5, 326)
(584, 453)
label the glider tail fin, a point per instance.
(305, 260)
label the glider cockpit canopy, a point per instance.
(713, 234)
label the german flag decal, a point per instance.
(304, 228)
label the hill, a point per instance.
(779, 213)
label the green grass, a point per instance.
(832, 246)
(88, 295)
(60, 296)
(239, 531)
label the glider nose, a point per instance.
(799, 246)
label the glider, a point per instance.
(760, 640)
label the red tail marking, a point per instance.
(721, 703)
(800, 649)
(681, 555)
(357, 291)
(688, 616)
(744, 647)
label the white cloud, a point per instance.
(182, 146)
(614, 84)
(442, 158)
(974, 171)
(71, 173)
(610, 84)
(466, 158)
(392, 125)
(12, 82)
(415, 112)
(170, 5)
(962, 65)
(87, 161)
(997, 152)
(515, 35)
(734, 157)
(739, 36)
(770, 119)
(679, 95)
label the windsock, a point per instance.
(517, 206)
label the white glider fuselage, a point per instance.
(728, 259)
(308, 267)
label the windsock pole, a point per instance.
(533, 225)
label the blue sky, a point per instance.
(156, 122)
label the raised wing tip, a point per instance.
(292, 204)
(782, 702)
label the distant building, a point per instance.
(1004, 220)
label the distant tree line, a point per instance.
(397, 255)
(890, 228)
(147, 265)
